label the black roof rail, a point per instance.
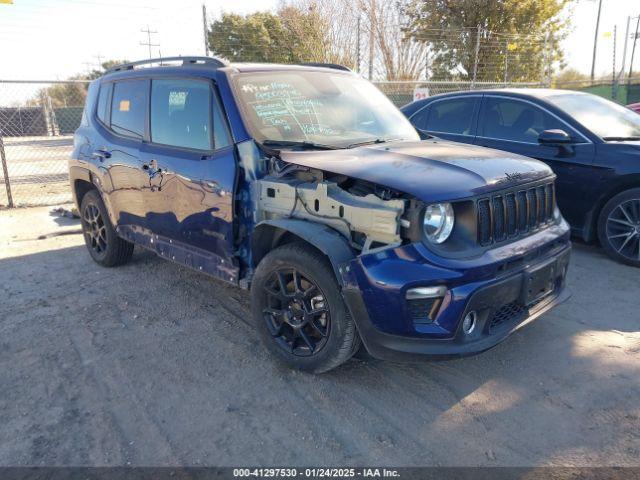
(186, 61)
(326, 65)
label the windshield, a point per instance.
(318, 108)
(606, 119)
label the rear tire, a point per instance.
(298, 310)
(104, 245)
(619, 227)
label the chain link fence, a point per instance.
(38, 118)
(37, 121)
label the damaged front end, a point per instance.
(368, 216)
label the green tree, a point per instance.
(519, 39)
(293, 35)
(71, 94)
(571, 78)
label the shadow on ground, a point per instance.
(152, 364)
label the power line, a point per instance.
(148, 43)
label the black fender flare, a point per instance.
(331, 243)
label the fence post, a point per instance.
(506, 61)
(5, 171)
(475, 62)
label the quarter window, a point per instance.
(452, 116)
(514, 120)
(103, 102)
(419, 119)
(181, 113)
(128, 108)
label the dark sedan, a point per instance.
(592, 144)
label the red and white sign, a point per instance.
(420, 92)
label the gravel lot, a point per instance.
(152, 364)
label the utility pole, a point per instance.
(358, 44)
(204, 27)
(614, 90)
(624, 52)
(148, 42)
(595, 42)
(633, 49)
(372, 35)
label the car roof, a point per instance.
(265, 67)
(192, 64)
(541, 93)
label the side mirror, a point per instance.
(554, 137)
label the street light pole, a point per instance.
(595, 41)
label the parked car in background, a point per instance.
(592, 144)
(635, 107)
(305, 184)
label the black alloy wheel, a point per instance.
(296, 313)
(104, 245)
(298, 309)
(95, 230)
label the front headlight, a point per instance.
(438, 222)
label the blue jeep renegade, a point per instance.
(306, 185)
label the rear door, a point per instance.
(122, 113)
(513, 125)
(191, 166)
(452, 118)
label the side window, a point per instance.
(515, 120)
(452, 116)
(181, 113)
(419, 119)
(128, 107)
(103, 102)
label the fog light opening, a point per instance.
(469, 322)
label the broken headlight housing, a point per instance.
(438, 222)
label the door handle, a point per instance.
(101, 154)
(152, 167)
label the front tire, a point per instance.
(299, 312)
(619, 227)
(104, 245)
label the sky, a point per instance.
(53, 39)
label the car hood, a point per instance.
(431, 170)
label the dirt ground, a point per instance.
(152, 364)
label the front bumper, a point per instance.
(493, 287)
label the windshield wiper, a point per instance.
(619, 139)
(372, 142)
(298, 143)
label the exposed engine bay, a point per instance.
(369, 216)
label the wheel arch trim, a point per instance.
(270, 233)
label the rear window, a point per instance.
(128, 108)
